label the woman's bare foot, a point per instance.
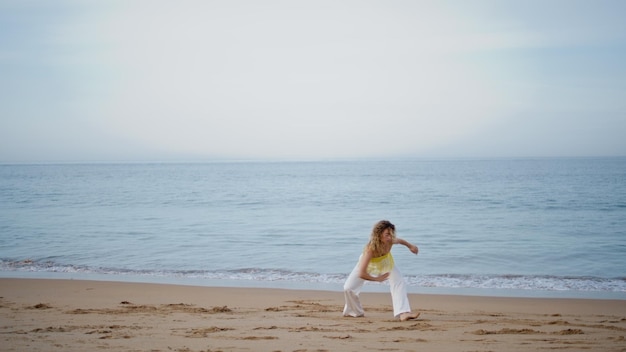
(408, 316)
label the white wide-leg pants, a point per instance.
(354, 284)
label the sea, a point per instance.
(524, 227)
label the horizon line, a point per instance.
(299, 160)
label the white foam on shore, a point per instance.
(521, 284)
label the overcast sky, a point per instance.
(198, 80)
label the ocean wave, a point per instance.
(521, 282)
(447, 281)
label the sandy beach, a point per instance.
(73, 315)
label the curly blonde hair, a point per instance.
(376, 244)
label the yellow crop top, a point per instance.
(380, 265)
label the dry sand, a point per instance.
(69, 315)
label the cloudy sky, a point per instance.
(248, 79)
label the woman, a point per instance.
(376, 264)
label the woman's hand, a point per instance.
(413, 248)
(381, 277)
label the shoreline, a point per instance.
(78, 315)
(299, 285)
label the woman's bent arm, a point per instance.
(363, 274)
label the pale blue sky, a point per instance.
(196, 80)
